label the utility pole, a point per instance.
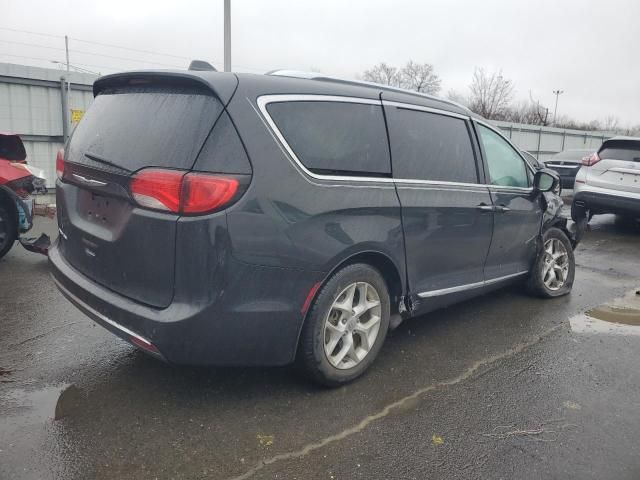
(557, 93)
(227, 35)
(66, 116)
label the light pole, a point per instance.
(227, 35)
(557, 93)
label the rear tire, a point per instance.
(8, 231)
(554, 269)
(345, 326)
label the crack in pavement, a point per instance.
(364, 423)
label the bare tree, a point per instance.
(610, 123)
(458, 97)
(383, 74)
(420, 77)
(632, 130)
(524, 112)
(490, 94)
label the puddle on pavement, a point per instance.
(624, 316)
(620, 316)
(22, 407)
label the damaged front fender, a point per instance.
(552, 205)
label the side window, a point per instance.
(429, 146)
(335, 137)
(506, 167)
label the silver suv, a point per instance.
(609, 180)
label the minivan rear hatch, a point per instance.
(133, 123)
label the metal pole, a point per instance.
(539, 142)
(555, 110)
(68, 80)
(65, 109)
(227, 35)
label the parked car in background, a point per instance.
(18, 181)
(609, 180)
(238, 219)
(567, 163)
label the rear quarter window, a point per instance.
(334, 137)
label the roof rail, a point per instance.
(328, 78)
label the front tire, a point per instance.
(554, 269)
(346, 326)
(8, 231)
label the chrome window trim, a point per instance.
(410, 106)
(265, 100)
(507, 187)
(468, 286)
(440, 183)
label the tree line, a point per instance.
(490, 94)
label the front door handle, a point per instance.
(483, 207)
(502, 209)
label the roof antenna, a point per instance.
(201, 66)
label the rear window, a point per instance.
(621, 150)
(335, 137)
(428, 146)
(139, 127)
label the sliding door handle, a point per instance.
(483, 207)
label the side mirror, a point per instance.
(545, 180)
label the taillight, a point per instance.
(60, 163)
(203, 193)
(157, 189)
(591, 159)
(180, 192)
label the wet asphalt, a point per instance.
(502, 386)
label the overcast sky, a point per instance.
(587, 48)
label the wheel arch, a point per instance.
(385, 265)
(7, 201)
(377, 259)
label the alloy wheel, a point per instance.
(352, 325)
(555, 267)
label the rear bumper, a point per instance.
(605, 200)
(245, 326)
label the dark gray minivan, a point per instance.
(236, 219)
